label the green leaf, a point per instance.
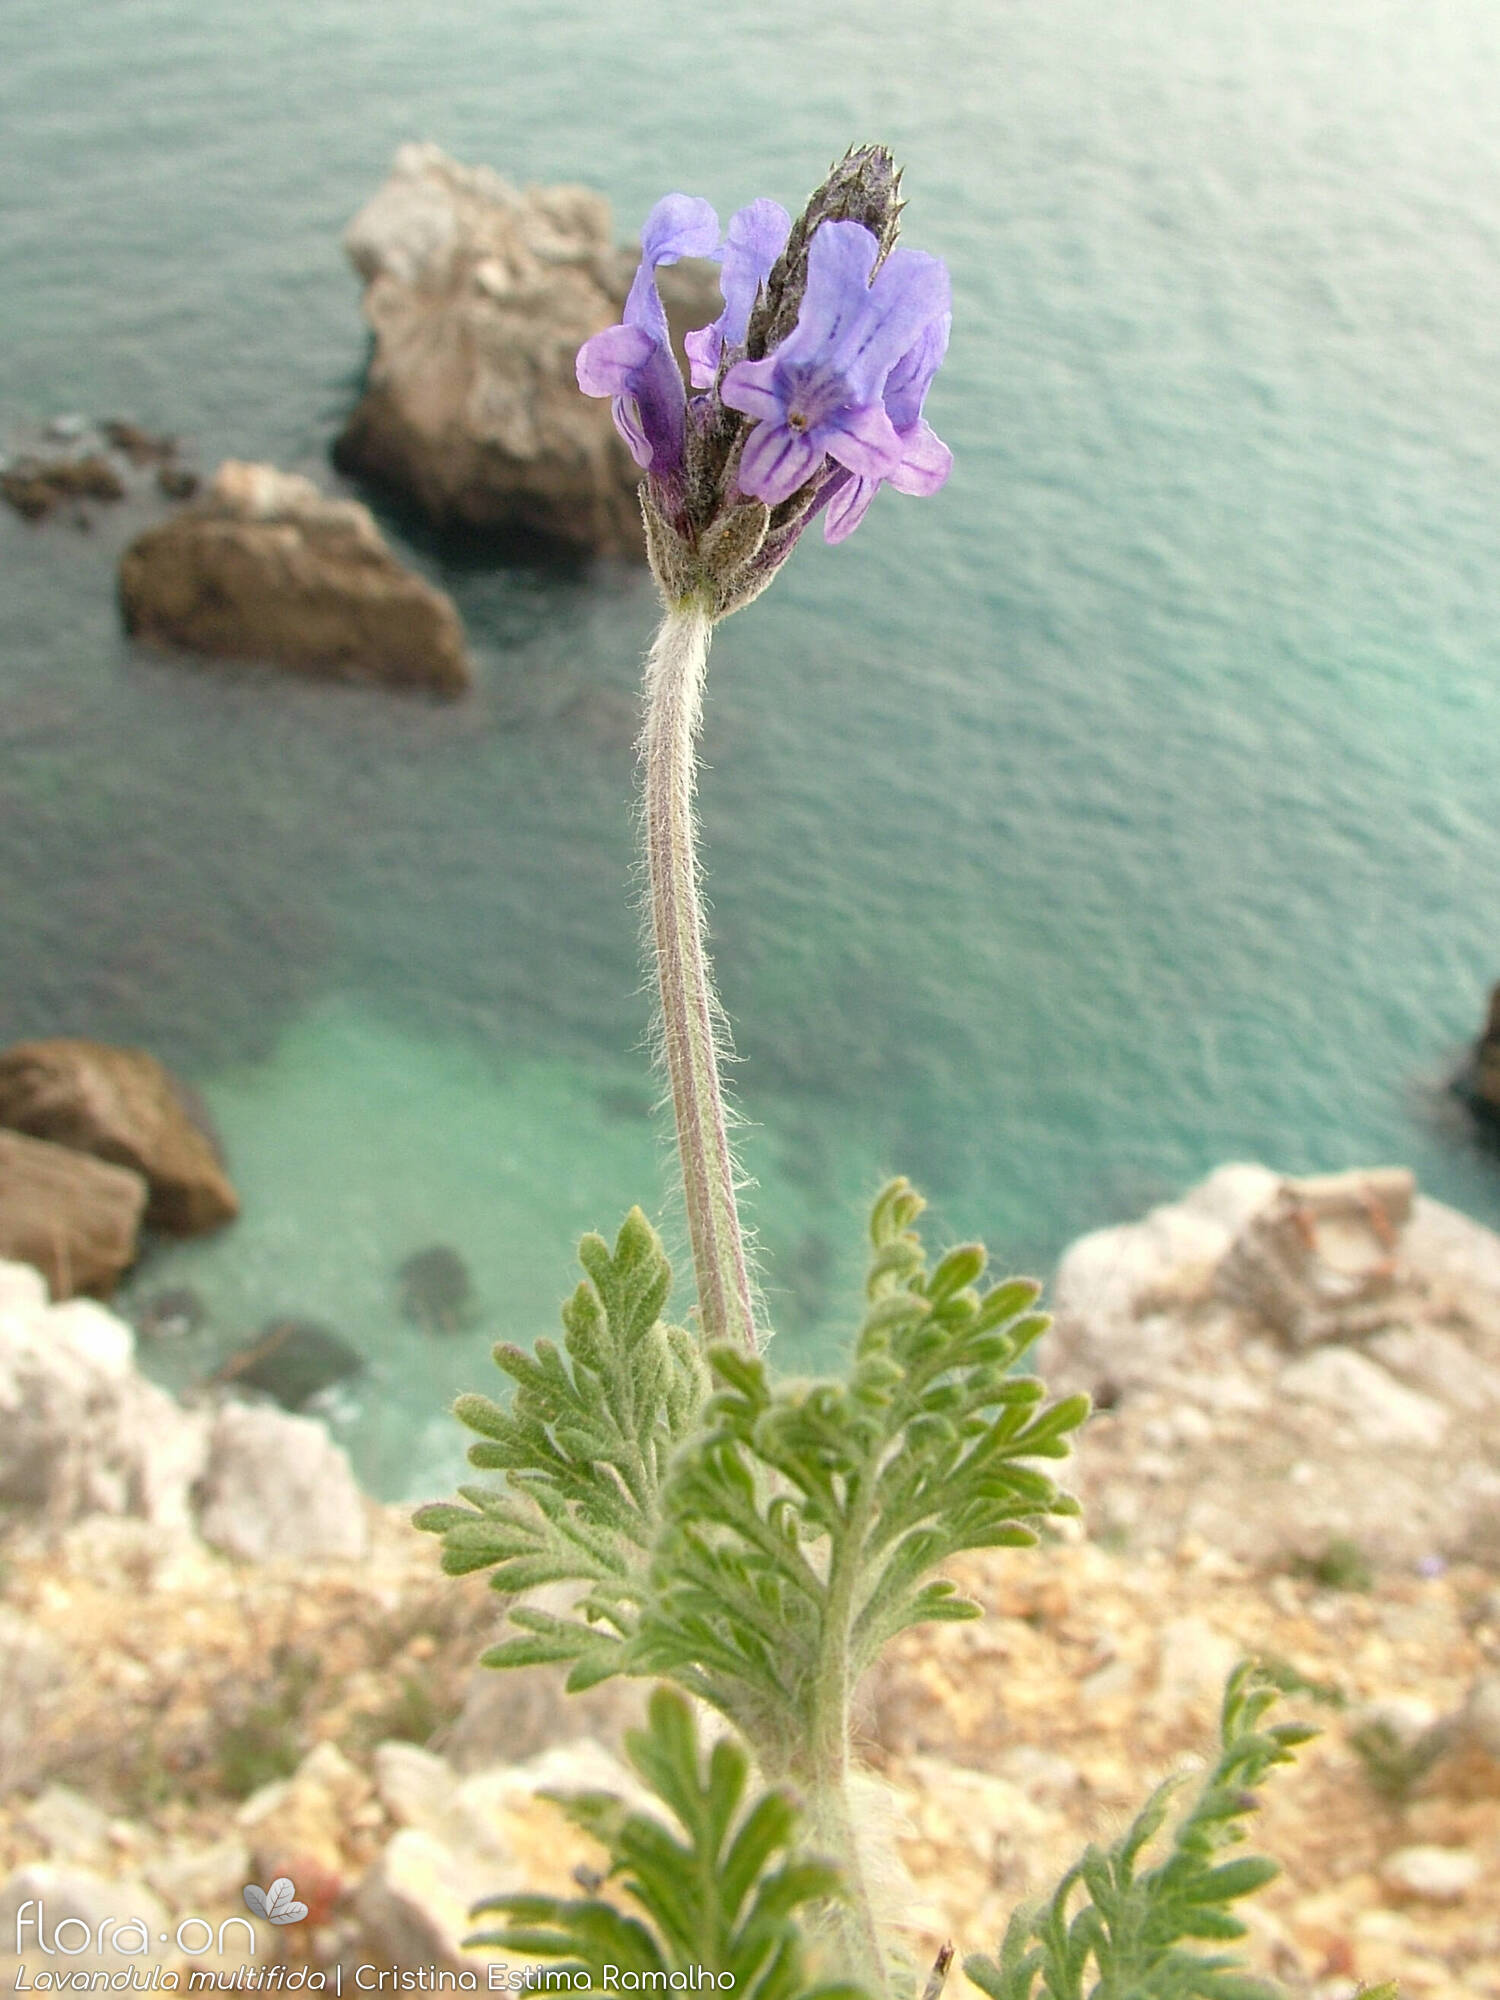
(1133, 1935)
(722, 1890)
(584, 1445)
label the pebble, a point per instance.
(1431, 1874)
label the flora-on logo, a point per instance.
(278, 1904)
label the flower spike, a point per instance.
(807, 389)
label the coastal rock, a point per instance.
(436, 1290)
(34, 1675)
(413, 1906)
(1431, 1874)
(265, 566)
(278, 1486)
(118, 1917)
(35, 486)
(304, 1818)
(72, 1217)
(1257, 1346)
(1317, 1261)
(80, 1431)
(480, 295)
(1481, 1082)
(292, 1361)
(123, 1106)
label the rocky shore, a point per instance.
(222, 1665)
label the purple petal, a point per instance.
(848, 508)
(606, 362)
(659, 414)
(910, 292)
(751, 388)
(754, 240)
(776, 461)
(839, 261)
(705, 349)
(925, 461)
(680, 225)
(864, 440)
(908, 382)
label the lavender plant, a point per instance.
(754, 1542)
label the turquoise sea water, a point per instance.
(1129, 807)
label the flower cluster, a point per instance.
(808, 387)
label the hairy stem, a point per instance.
(693, 1029)
(820, 1766)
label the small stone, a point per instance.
(1431, 1874)
(277, 1485)
(69, 1826)
(413, 1906)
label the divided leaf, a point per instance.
(1127, 1936)
(584, 1444)
(720, 1894)
(804, 1521)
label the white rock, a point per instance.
(73, 1896)
(277, 1486)
(23, 1289)
(1378, 1408)
(1431, 1874)
(194, 1880)
(1194, 1661)
(80, 1430)
(1438, 1362)
(69, 1826)
(413, 1905)
(415, 1787)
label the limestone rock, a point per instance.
(278, 1486)
(304, 1818)
(1259, 1346)
(71, 1217)
(1431, 1874)
(69, 1827)
(80, 1431)
(265, 566)
(480, 296)
(413, 1905)
(1318, 1261)
(34, 1675)
(104, 1908)
(123, 1106)
(509, 1716)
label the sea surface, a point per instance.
(1129, 807)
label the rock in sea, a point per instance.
(265, 566)
(436, 1291)
(123, 1106)
(1480, 1081)
(72, 1218)
(291, 1361)
(480, 295)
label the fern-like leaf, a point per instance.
(722, 1893)
(584, 1444)
(804, 1522)
(1126, 1941)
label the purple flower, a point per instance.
(807, 390)
(925, 460)
(819, 396)
(753, 241)
(633, 362)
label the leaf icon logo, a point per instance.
(278, 1904)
